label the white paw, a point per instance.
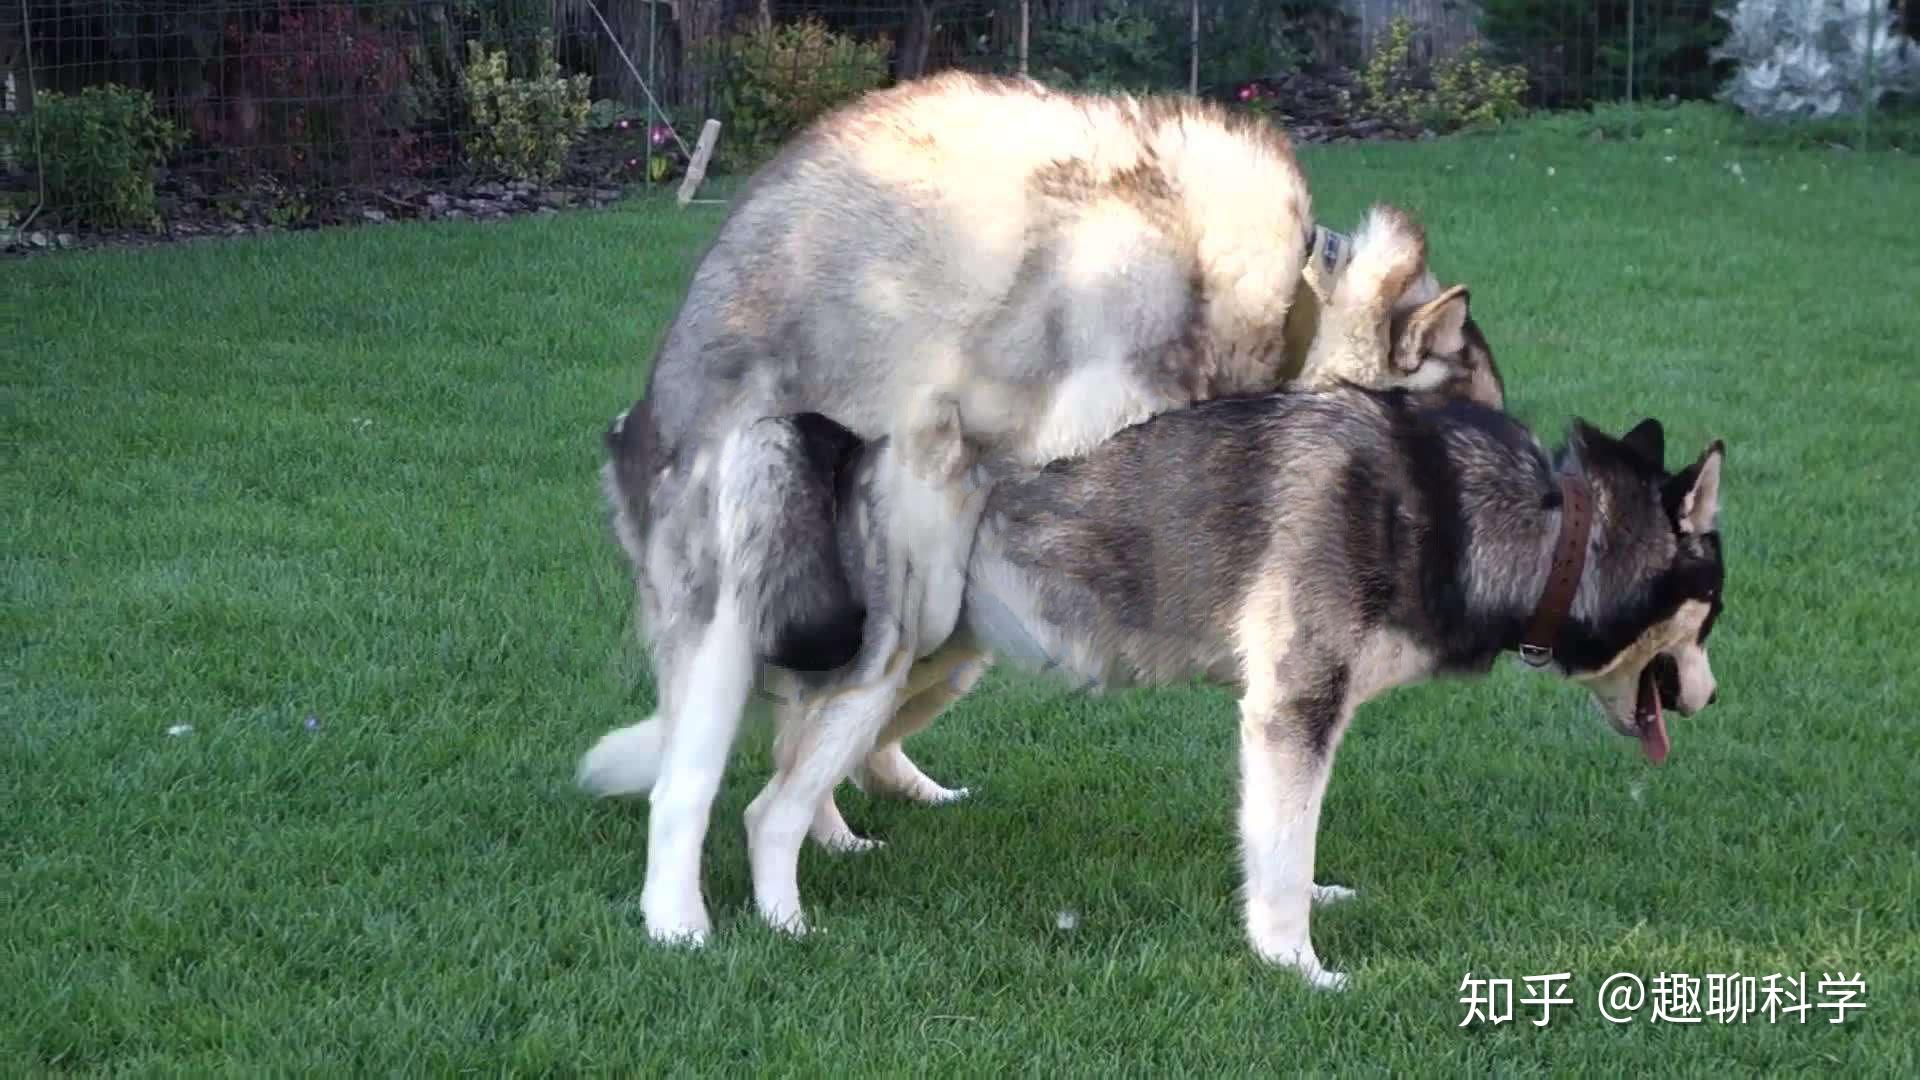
(686, 933)
(1302, 959)
(933, 794)
(1321, 979)
(1332, 894)
(787, 920)
(848, 843)
(678, 921)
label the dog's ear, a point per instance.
(1649, 440)
(1693, 497)
(1437, 327)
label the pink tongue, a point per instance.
(1653, 737)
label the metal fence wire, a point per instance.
(282, 103)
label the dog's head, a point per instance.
(1385, 321)
(1638, 640)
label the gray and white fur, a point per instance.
(1039, 268)
(1312, 550)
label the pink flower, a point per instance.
(1246, 93)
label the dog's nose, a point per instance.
(1713, 697)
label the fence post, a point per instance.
(1632, 8)
(1025, 16)
(1867, 75)
(1193, 49)
(652, 119)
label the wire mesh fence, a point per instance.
(294, 110)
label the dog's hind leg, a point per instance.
(704, 709)
(1287, 739)
(825, 746)
(936, 683)
(829, 829)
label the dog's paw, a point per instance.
(1331, 894)
(1322, 979)
(788, 921)
(1300, 957)
(679, 921)
(848, 843)
(686, 934)
(932, 794)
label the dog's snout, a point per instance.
(1714, 697)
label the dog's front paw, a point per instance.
(1322, 979)
(787, 920)
(1331, 894)
(677, 926)
(1299, 955)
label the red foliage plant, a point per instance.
(315, 94)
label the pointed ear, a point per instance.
(1700, 504)
(1648, 440)
(1437, 327)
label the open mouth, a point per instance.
(1649, 719)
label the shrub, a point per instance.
(98, 149)
(333, 94)
(523, 126)
(1120, 49)
(779, 79)
(1462, 90)
(1814, 59)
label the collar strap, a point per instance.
(1563, 577)
(1327, 248)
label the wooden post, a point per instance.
(1193, 50)
(697, 165)
(1024, 19)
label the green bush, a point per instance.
(779, 79)
(1120, 49)
(1462, 90)
(523, 126)
(98, 149)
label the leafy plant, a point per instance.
(98, 149)
(327, 95)
(523, 126)
(779, 79)
(1462, 90)
(1815, 59)
(1121, 48)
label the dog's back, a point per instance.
(1139, 560)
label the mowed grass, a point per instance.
(349, 478)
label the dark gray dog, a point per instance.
(1311, 549)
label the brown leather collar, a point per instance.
(1563, 577)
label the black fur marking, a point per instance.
(1648, 440)
(825, 634)
(1443, 548)
(1320, 710)
(823, 644)
(1696, 571)
(1373, 542)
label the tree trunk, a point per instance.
(916, 40)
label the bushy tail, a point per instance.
(626, 761)
(777, 499)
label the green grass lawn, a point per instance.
(349, 477)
